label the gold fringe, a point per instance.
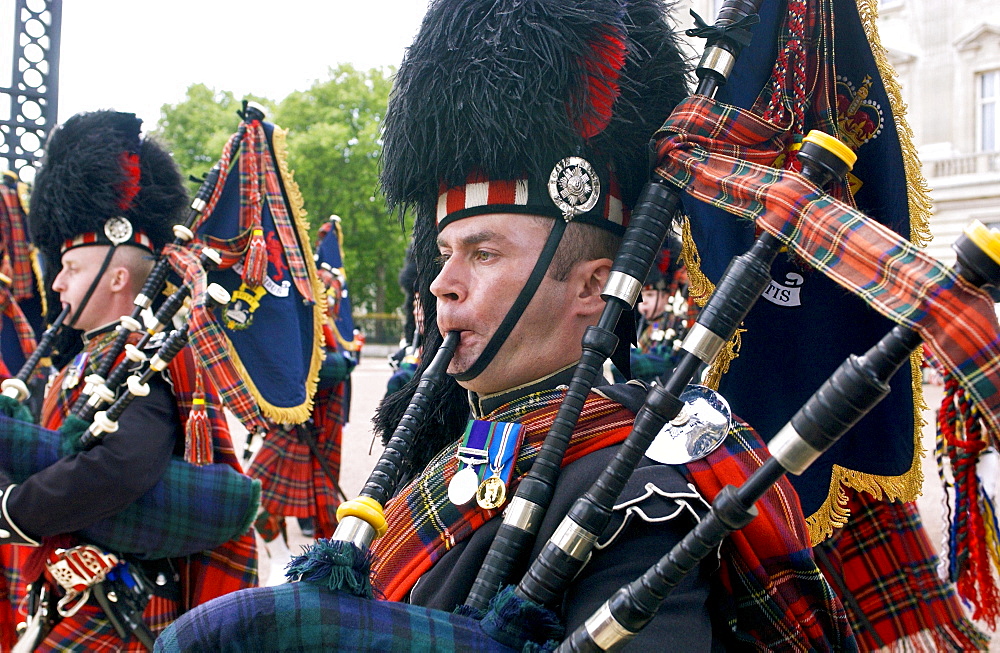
(725, 358)
(907, 486)
(700, 288)
(918, 192)
(36, 267)
(302, 412)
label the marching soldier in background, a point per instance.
(665, 313)
(103, 206)
(23, 302)
(407, 359)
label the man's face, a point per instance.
(653, 303)
(79, 267)
(487, 260)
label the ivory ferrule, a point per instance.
(604, 629)
(198, 204)
(130, 324)
(100, 393)
(574, 540)
(133, 354)
(792, 451)
(356, 531)
(523, 515)
(718, 60)
(142, 301)
(103, 424)
(623, 287)
(703, 343)
(16, 389)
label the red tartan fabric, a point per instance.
(15, 240)
(293, 482)
(721, 155)
(208, 341)
(423, 524)
(233, 565)
(888, 564)
(12, 590)
(89, 630)
(780, 599)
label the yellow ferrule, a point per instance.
(987, 239)
(366, 509)
(833, 145)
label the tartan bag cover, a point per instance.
(309, 617)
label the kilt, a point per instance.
(89, 630)
(888, 564)
(293, 482)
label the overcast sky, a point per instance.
(136, 55)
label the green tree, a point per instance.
(195, 130)
(334, 146)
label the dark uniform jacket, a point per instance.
(655, 511)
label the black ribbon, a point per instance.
(737, 32)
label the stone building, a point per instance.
(947, 57)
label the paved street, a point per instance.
(360, 454)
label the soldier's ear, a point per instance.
(591, 277)
(119, 278)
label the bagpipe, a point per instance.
(848, 395)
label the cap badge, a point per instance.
(574, 186)
(118, 230)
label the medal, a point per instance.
(493, 491)
(75, 371)
(463, 486)
(472, 452)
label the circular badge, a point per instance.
(463, 485)
(492, 493)
(574, 186)
(118, 230)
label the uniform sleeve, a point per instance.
(656, 510)
(84, 488)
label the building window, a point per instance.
(989, 110)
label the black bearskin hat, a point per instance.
(504, 89)
(95, 168)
